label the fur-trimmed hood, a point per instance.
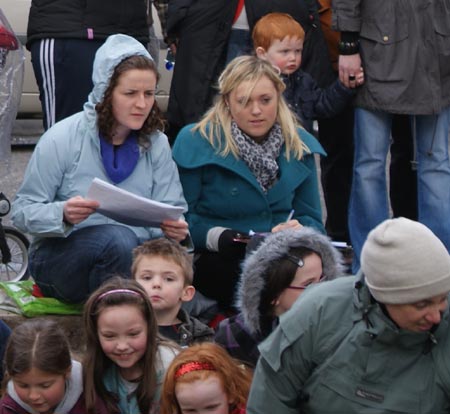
(275, 246)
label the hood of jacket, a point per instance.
(116, 48)
(275, 246)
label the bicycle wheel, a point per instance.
(17, 268)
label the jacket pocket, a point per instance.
(339, 391)
(383, 44)
(441, 19)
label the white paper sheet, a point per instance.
(128, 208)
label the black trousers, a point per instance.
(63, 71)
(216, 276)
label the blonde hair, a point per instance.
(215, 125)
(275, 26)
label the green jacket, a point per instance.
(336, 351)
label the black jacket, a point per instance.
(310, 102)
(189, 332)
(87, 19)
(202, 28)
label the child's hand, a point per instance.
(359, 77)
(356, 80)
(349, 67)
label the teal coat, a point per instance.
(336, 351)
(222, 191)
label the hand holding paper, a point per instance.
(77, 209)
(176, 230)
(128, 208)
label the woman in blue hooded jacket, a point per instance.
(115, 138)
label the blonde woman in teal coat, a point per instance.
(246, 167)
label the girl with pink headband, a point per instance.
(204, 378)
(125, 357)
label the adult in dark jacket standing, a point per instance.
(63, 37)
(336, 136)
(202, 28)
(404, 47)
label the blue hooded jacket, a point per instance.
(67, 159)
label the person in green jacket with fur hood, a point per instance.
(375, 342)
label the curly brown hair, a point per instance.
(105, 118)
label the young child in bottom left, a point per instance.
(125, 358)
(40, 376)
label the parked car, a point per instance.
(16, 11)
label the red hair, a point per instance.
(235, 378)
(275, 26)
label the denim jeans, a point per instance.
(369, 202)
(69, 269)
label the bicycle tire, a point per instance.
(17, 268)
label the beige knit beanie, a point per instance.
(404, 262)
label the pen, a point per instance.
(291, 214)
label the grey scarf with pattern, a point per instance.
(261, 158)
